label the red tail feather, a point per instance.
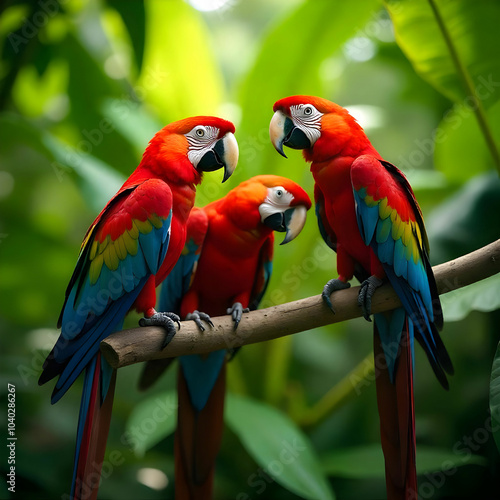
(197, 441)
(94, 439)
(397, 422)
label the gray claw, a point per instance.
(166, 320)
(236, 311)
(197, 316)
(332, 286)
(366, 292)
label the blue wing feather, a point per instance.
(409, 274)
(155, 248)
(366, 216)
(93, 311)
(178, 281)
(80, 352)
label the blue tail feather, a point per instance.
(201, 374)
(390, 326)
(82, 417)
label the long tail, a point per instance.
(397, 418)
(93, 427)
(200, 426)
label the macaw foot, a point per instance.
(197, 317)
(366, 292)
(165, 319)
(329, 288)
(236, 311)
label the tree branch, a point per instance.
(141, 344)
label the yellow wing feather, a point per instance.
(111, 252)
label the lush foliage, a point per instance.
(85, 85)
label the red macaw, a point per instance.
(128, 250)
(224, 269)
(368, 214)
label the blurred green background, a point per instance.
(85, 84)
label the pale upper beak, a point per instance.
(295, 219)
(277, 131)
(231, 153)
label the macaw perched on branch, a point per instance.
(368, 214)
(224, 269)
(127, 251)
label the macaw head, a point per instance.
(320, 127)
(183, 150)
(269, 202)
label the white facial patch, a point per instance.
(201, 139)
(308, 119)
(278, 199)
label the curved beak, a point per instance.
(277, 131)
(223, 154)
(291, 220)
(283, 131)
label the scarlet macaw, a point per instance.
(127, 251)
(368, 214)
(224, 269)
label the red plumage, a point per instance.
(233, 243)
(368, 214)
(131, 246)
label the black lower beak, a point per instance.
(223, 155)
(291, 220)
(294, 137)
(276, 222)
(212, 160)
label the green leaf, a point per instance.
(495, 397)
(453, 46)
(151, 421)
(97, 180)
(179, 74)
(463, 222)
(482, 296)
(288, 63)
(132, 121)
(278, 446)
(460, 150)
(96, 132)
(134, 18)
(366, 462)
(472, 28)
(357, 462)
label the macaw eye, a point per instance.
(308, 110)
(200, 132)
(279, 193)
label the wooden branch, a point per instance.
(141, 344)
